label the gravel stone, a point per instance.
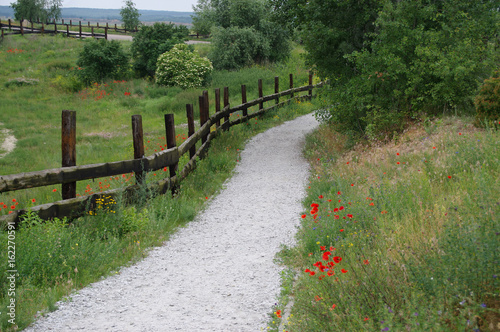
(217, 273)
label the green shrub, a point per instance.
(488, 102)
(101, 59)
(181, 67)
(152, 41)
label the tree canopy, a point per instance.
(130, 15)
(242, 32)
(44, 10)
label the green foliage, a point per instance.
(419, 61)
(329, 30)
(101, 59)
(242, 33)
(182, 67)
(152, 41)
(487, 102)
(130, 15)
(45, 10)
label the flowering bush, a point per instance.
(488, 102)
(181, 67)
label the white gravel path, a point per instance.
(217, 273)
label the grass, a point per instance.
(400, 236)
(103, 110)
(53, 259)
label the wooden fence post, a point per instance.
(138, 138)
(88, 23)
(68, 148)
(226, 103)
(97, 24)
(206, 108)
(92, 31)
(261, 104)
(9, 24)
(55, 27)
(31, 26)
(190, 120)
(203, 119)
(22, 28)
(244, 98)
(277, 88)
(67, 30)
(171, 143)
(291, 84)
(80, 28)
(217, 105)
(115, 27)
(106, 33)
(62, 21)
(70, 23)
(43, 28)
(2, 33)
(310, 84)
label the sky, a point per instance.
(171, 5)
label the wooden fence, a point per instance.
(71, 206)
(55, 27)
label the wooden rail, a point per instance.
(76, 206)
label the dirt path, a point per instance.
(217, 273)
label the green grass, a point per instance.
(416, 225)
(54, 259)
(103, 111)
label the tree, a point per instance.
(242, 33)
(130, 15)
(44, 10)
(152, 41)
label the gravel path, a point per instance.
(217, 273)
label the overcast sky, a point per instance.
(172, 5)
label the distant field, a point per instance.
(111, 15)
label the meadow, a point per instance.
(398, 236)
(53, 259)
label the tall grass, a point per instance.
(416, 227)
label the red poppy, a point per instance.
(13, 200)
(341, 208)
(342, 230)
(449, 176)
(330, 273)
(303, 216)
(349, 215)
(343, 271)
(333, 306)
(337, 259)
(320, 196)
(326, 255)
(12, 207)
(366, 262)
(322, 248)
(33, 200)
(339, 193)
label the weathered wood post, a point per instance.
(43, 28)
(31, 26)
(244, 98)
(291, 84)
(22, 28)
(62, 21)
(10, 24)
(88, 22)
(310, 85)
(80, 29)
(226, 103)
(171, 143)
(68, 148)
(106, 33)
(206, 108)
(115, 27)
(70, 23)
(261, 104)
(67, 30)
(217, 105)
(277, 88)
(97, 24)
(55, 27)
(138, 139)
(190, 120)
(2, 33)
(92, 31)
(203, 119)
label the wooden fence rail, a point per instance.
(70, 173)
(51, 28)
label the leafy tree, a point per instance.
(152, 41)
(182, 67)
(45, 10)
(242, 33)
(425, 57)
(101, 59)
(130, 15)
(329, 30)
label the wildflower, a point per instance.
(343, 271)
(366, 318)
(333, 306)
(317, 298)
(33, 200)
(54, 190)
(366, 262)
(337, 259)
(278, 313)
(303, 216)
(449, 176)
(342, 230)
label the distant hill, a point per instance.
(93, 14)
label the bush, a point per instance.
(101, 59)
(152, 41)
(181, 67)
(488, 103)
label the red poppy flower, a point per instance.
(366, 262)
(33, 200)
(349, 215)
(337, 259)
(341, 208)
(335, 210)
(330, 273)
(343, 271)
(339, 193)
(449, 176)
(13, 200)
(333, 306)
(326, 255)
(322, 248)
(342, 230)
(12, 207)
(320, 196)
(303, 216)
